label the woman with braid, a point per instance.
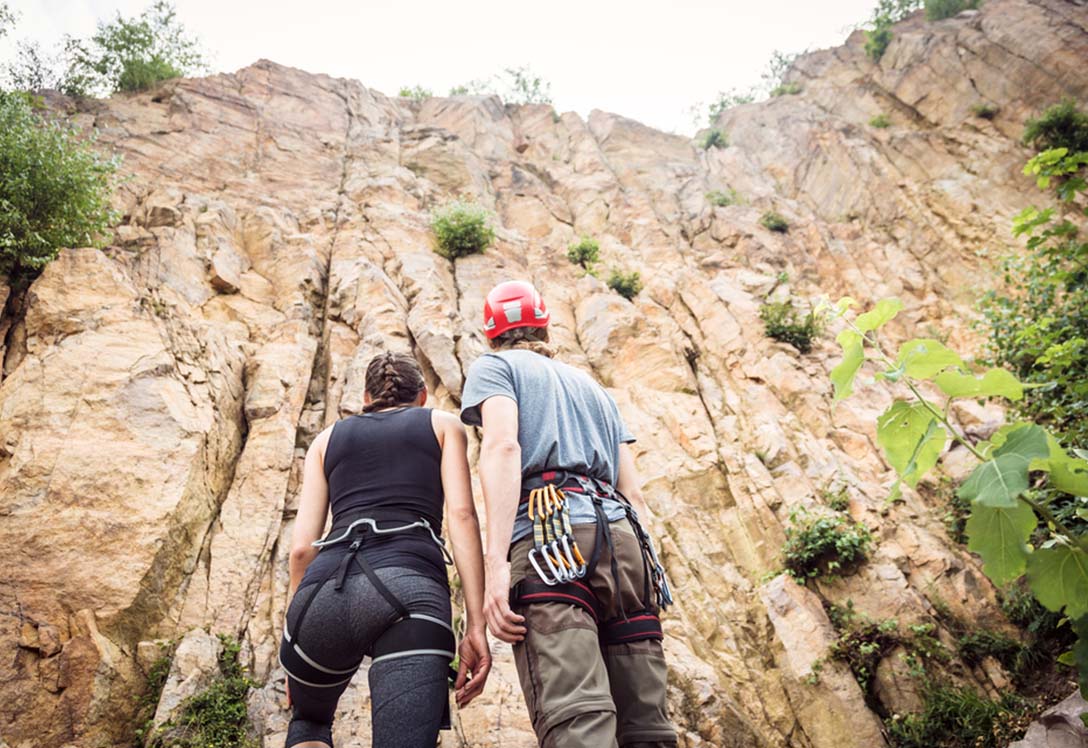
(376, 584)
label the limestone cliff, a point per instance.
(157, 397)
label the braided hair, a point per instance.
(392, 379)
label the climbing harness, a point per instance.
(564, 565)
(410, 634)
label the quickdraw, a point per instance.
(553, 540)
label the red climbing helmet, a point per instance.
(513, 304)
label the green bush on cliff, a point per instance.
(54, 188)
(133, 54)
(584, 252)
(215, 717)
(783, 322)
(415, 93)
(822, 545)
(461, 229)
(774, 222)
(713, 139)
(937, 10)
(958, 716)
(885, 15)
(879, 121)
(1060, 126)
(627, 285)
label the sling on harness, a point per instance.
(563, 585)
(410, 634)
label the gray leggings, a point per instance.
(408, 694)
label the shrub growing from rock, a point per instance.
(985, 110)
(879, 121)
(937, 10)
(774, 222)
(1060, 126)
(957, 715)
(783, 322)
(216, 716)
(461, 229)
(786, 89)
(713, 139)
(584, 252)
(720, 198)
(54, 188)
(823, 545)
(626, 285)
(415, 93)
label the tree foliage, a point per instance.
(627, 285)
(1061, 126)
(886, 14)
(1003, 513)
(54, 188)
(585, 252)
(133, 54)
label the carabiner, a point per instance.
(551, 582)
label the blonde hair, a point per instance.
(533, 339)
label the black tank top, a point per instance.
(385, 460)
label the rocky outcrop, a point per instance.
(158, 395)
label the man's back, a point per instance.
(565, 419)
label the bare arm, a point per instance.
(500, 478)
(630, 483)
(312, 508)
(464, 530)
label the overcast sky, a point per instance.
(648, 61)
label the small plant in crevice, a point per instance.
(785, 323)
(415, 93)
(722, 198)
(822, 545)
(880, 121)
(148, 701)
(837, 501)
(216, 716)
(786, 89)
(974, 646)
(626, 285)
(886, 14)
(958, 716)
(863, 645)
(985, 110)
(774, 222)
(938, 10)
(585, 252)
(461, 229)
(714, 138)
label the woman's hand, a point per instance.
(503, 622)
(475, 658)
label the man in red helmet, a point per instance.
(572, 579)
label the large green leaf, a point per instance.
(999, 480)
(912, 439)
(994, 383)
(922, 358)
(1000, 536)
(1067, 473)
(1059, 579)
(879, 315)
(853, 356)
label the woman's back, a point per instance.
(388, 459)
(377, 464)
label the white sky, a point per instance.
(648, 61)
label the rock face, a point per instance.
(157, 397)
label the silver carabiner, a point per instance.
(543, 577)
(577, 570)
(559, 572)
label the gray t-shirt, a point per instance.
(566, 421)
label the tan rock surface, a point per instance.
(157, 396)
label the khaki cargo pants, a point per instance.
(579, 691)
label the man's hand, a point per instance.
(503, 622)
(475, 658)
